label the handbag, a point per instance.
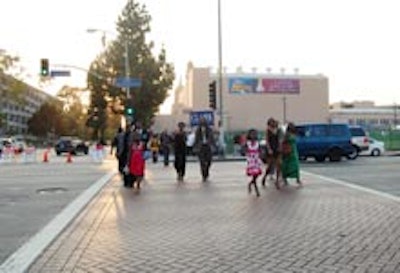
(146, 154)
(126, 170)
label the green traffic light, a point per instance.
(44, 67)
(45, 72)
(129, 111)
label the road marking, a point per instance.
(21, 259)
(354, 186)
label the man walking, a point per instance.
(165, 140)
(204, 143)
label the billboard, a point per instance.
(196, 115)
(263, 86)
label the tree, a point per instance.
(7, 62)
(48, 119)
(97, 114)
(74, 111)
(156, 74)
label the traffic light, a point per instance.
(212, 92)
(129, 109)
(44, 67)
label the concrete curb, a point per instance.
(21, 259)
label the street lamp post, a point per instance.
(284, 109)
(220, 80)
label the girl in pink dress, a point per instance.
(254, 162)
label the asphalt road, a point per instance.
(32, 194)
(378, 173)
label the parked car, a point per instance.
(375, 148)
(19, 146)
(324, 140)
(359, 139)
(5, 143)
(73, 146)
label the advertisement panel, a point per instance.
(242, 85)
(263, 86)
(196, 115)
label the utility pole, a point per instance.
(220, 80)
(129, 99)
(284, 109)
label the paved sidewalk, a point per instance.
(218, 227)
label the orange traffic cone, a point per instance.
(69, 158)
(45, 156)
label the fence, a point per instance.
(391, 138)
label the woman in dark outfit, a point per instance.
(180, 151)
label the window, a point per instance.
(337, 130)
(319, 131)
(360, 121)
(357, 131)
(300, 131)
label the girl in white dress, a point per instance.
(254, 163)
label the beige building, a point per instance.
(249, 99)
(365, 114)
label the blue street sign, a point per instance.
(60, 73)
(128, 82)
(196, 115)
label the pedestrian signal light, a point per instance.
(44, 67)
(212, 92)
(129, 111)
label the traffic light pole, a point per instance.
(220, 81)
(127, 75)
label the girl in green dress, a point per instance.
(290, 156)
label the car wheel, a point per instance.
(320, 158)
(58, 153)
(335, 155)
(375, 152)
(302, 158)
(354, 154)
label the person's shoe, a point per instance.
(263, 181)
(277, 185)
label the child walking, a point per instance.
(253, 160)
(136, 161)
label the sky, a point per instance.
(354, 43)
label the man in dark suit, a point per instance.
(203, 145)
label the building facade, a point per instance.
(249, 99)
(18, 102)
(365, 114)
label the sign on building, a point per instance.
(263, 86)
(194, 117)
